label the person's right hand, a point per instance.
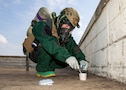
(72, 62)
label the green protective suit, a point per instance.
(52, 55)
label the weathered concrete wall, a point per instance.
(15, 62)
(104, 41)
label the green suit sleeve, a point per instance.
(50, 43)
(73, 48)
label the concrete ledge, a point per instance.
(15, 62)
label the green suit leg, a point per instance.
(47, 63)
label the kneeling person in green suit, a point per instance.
(57, 48)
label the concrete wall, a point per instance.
(104, 41)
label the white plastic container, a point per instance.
(83, 76)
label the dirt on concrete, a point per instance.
(66, 79)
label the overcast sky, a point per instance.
(16, 16)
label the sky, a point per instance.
(16, 16)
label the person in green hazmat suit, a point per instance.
(57, 48)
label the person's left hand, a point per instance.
(84, 65)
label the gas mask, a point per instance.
(64, 31)
(64, 35)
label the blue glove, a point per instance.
(83, 65)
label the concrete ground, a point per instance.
(66, 79)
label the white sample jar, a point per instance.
(83, 76)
